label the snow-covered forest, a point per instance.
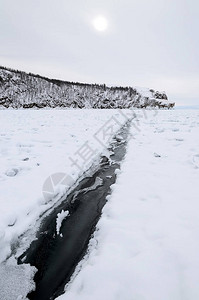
(25, 90)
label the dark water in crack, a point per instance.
(56, 257)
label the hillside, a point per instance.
(25, 90)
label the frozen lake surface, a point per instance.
(146, 244)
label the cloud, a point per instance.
(148, 43)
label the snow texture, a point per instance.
(34, 145)
(16, 280)
(146, 243)
(37, 147)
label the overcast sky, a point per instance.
(149, 43)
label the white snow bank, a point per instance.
(146, 244)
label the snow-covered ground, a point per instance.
(35, 144)
(147, 242)
(146, 246)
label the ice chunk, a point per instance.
(16, 281)
(60, 217)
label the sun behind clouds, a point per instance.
(100, 23)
